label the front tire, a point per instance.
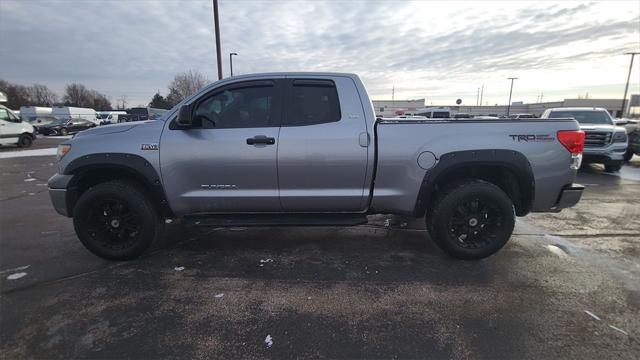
(25, 141)
(116, 220)
(613, 166)
(472, 220)
(63, 132)
(628, 155)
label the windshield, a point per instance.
(584, 117)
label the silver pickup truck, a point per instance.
(306, 149)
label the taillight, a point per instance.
(573, 140)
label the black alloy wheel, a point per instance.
(116, 220)
(471, 219)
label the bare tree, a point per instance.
(76, 95)
(40, 95)
(185, 84)
(17, 95)
(79, 95)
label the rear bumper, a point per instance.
(569, 196)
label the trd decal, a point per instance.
(532, 137)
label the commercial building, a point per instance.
(399, 107)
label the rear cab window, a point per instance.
(310, 102)
(584, 117)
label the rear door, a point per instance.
(322, 150)
(227, 162)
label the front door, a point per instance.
(227, 161)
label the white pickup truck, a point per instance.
(306, 149)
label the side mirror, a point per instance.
(184, 116)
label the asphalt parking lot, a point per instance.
(567, 285)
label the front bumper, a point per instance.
(569, 196)
(62, 194)
(612, 152)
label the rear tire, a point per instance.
(63, 132)
(25, 141)
(116, 220)
(471, 220)
(613, 166)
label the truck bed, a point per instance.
(398, 177)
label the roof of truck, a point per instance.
(293, 73)
(581, 108)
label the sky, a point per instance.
(440, 51)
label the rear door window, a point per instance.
(310, 102)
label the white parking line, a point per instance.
(26, 153)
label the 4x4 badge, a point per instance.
(148, 146)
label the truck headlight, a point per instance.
(620, 137)
(63, 149)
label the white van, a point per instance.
(110, 117)
(13, 130)
(69, 112)
(435, 112)
(31, 113)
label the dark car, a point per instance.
(633, 132)
(64, 127)
(141, 114)
(41, 120)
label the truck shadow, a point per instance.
(366, 253)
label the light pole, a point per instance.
(231, 61)
(510, 92)
(217, 31)
(626, 87)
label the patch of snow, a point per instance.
(592, 315)
(19, 268)
(178, 268)
(218, 296)
(556, 250)
(265, 261)
(26, 153)
(168, 221)
(268, 341)
(16, 276)
(618, 329)
(29, 179)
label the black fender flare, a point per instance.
(135, 165)
(512, 160)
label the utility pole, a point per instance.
(477, 96)
(481, 94)
(510, 92)
(626, 87)
(217, 30)
(231, 62)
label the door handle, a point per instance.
(261, 139)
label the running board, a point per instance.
(231, 220)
